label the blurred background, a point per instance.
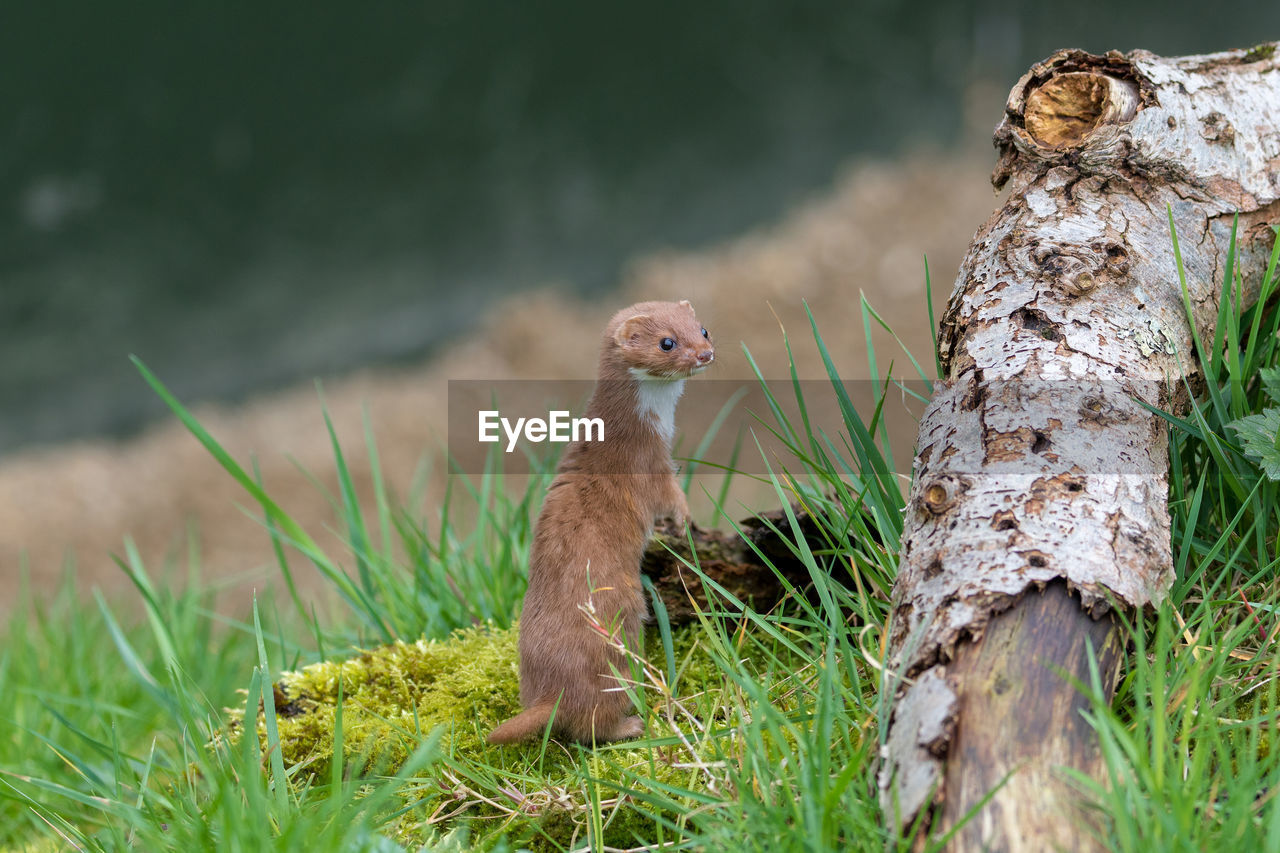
(250, 195)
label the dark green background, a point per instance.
(248, 194)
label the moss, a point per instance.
(1260, 52)
(395, 695)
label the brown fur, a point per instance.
(591, 534)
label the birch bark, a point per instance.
(1036, 467)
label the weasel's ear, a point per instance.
(684, 303)
(631, 328)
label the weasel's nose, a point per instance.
(706, 356)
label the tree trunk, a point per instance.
(1039, 493)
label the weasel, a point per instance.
(590, 536)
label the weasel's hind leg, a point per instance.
(625, 729)
(605, 728)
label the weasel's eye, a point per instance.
(668, 344)
(704, 333)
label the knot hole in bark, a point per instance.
(1035, 320)
(1066, 108)
(937, 499)
(1041, 443)
(939, 494)
(1004, 520)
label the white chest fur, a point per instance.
(656, 402)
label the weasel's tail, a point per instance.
(524, 726)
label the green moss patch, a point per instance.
(394, 696)
(1260, 53)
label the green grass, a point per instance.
(150, 732)
(1189, 737)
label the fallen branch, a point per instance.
(1039, 494)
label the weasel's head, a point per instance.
(663, 340)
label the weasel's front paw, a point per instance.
(680, 514)
(673, 525)
(678, 525)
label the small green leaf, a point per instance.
(1261, 437)
(1271, 382)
